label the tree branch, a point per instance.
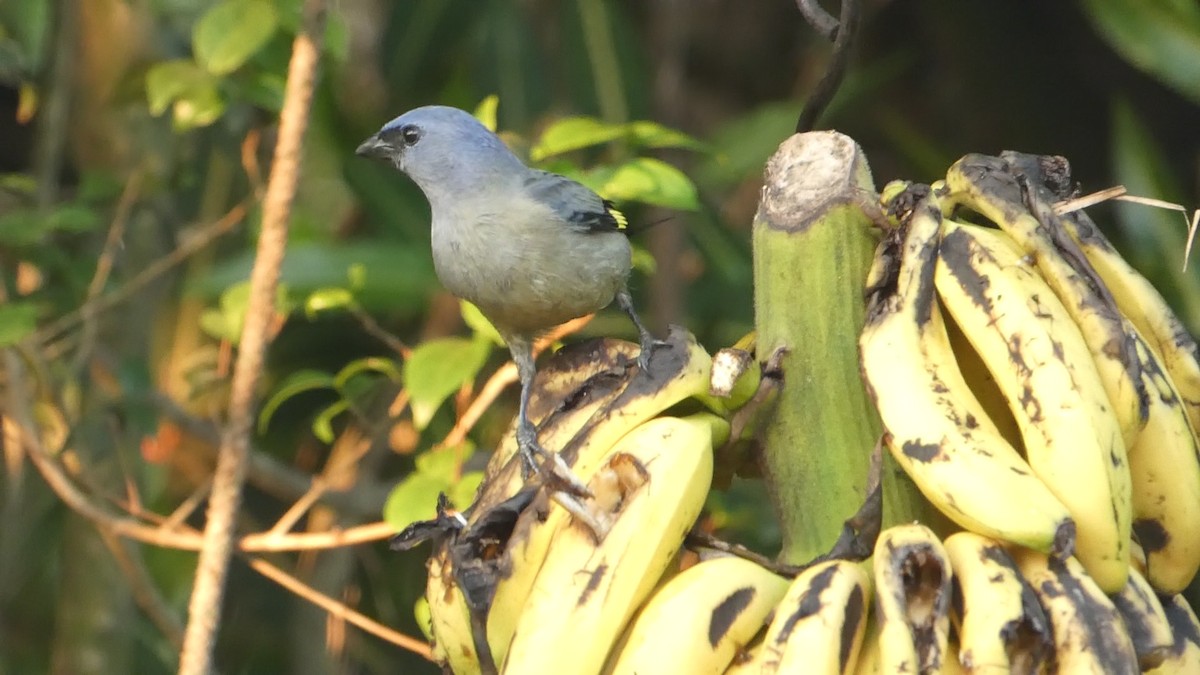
(204, 609)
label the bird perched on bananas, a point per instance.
(531, 249)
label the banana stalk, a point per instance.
(813, 246)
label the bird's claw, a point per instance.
(649, 344)
(554, 472)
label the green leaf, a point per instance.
(651, 181)
(415, 498)
(485, 112)
(18, 320)
(294, 384)
(1160, 37)
(326, 299)
(167, 81)
(462, 493)
(574, 133)
(323, 424)
(198, 107)
(438, 368)
(231, 32)
(20, 227)
(654, 135)
(479, 324)
(370, 364)
(445, 463)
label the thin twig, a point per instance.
(339, 610)
(378, 332)
(104, 265)
(819, 19)
(204, 609)
(189, 247)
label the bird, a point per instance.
(531, 249)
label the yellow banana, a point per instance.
(450, 619)
(819, 625)
(912, 598)
(1184, 656)
(1042, 364)
(603, 424)
(652, 487)
(985, 185)
(1001, 627)
(1145, 620)
(1088, 634)
(1143, 305)
(1164, 465)
(745, 661)
(936, 429)
(698, 621)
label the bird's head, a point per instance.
(442, 149)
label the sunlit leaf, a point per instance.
(297, 383)
(198, 107)
(574, 133)
(323, 424)
(654, 135)
(485, 112)
(370, 364)
(415, 498)
(444, 463)
(651, 181)
(423, 617)
(231, 31)
(438, 368)
(478, 323)
(462, 493)
(326, 299)
(18, 320)
(169, 80)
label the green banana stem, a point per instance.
(813, 246)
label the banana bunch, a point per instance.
(1033, 386)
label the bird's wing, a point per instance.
(578, 206)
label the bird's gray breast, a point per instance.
(526, 269)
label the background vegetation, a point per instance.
(135, 139)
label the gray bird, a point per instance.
(531, 249)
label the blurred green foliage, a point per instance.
(166, 122)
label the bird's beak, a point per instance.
(374, 147)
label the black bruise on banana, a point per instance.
(1151, 534)
(725, 613)
(1030, 635)
(1182, 625)
(855, 616)
(1103, 628)
(924, 586)
(1005, 186)
(1140, 621)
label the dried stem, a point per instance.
(204, 609)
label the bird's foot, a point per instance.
(649, 344)
(554, 472)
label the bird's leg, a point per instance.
(646, 339)
(554, 471)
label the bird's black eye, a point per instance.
(410, 134)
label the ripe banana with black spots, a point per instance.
(913, 588)
(651, 486)
(1042, 364)
(819, 625)
(1001, 627)
(1145, 620)
(592, 438)
(1145, 307)
(985, 185)
(700, 619)
(936, 429)
(1184, 655)
(1164, 465)
(1089, 636)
